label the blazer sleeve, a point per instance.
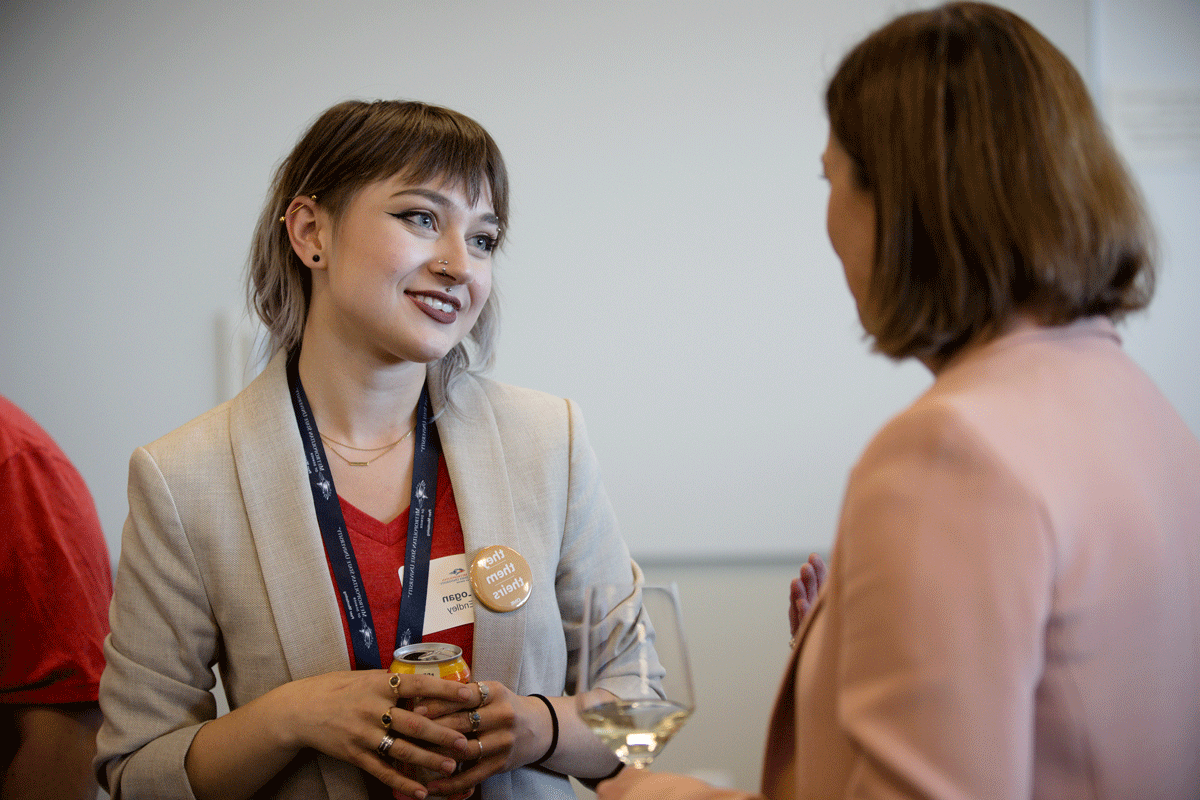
(944, 595)
(593, 551)
(155, 691)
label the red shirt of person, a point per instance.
(57, 583)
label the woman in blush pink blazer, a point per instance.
(1012, 608)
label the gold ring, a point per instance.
(474, 717)
(394, 682)
(386, 719)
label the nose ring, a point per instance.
(444, 261)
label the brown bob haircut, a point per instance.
(349, 146)
(996, 189)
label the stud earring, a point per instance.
(316, 258)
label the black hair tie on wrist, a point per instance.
(553, 730)
(592, 783)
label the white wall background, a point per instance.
(667, 265)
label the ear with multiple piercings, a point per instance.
(316, 258)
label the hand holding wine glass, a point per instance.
(635, 683)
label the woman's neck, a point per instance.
(358, 400)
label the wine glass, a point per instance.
(635, 683)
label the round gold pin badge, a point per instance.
(501, 578)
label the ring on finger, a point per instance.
(473, 716)
(480, 749)
(386, 719)
(386, 744)
(483, 694)
(394, 682)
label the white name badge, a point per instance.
(449, 601)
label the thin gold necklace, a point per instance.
(386, 448)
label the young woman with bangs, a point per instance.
(340, 506)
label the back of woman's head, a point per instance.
(996, 189)
(349, 146)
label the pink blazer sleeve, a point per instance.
(947, 709)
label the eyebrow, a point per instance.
(441, 200)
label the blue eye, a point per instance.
(422, 219)
(483, 242)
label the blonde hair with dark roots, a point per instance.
(353, 144)
(996, 189)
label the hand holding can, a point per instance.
(439, 660)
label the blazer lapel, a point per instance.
(273, 476)
(779, 760)
(475, 460)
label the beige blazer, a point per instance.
(222, 563)
(1013, 606)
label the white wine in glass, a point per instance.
(635, 681)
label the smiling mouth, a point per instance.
(442, 308)
(435, 303)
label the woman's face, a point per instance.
(850, 222)
(380, 286)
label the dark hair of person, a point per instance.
(996, 189)
(351, 145)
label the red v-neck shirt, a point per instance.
(379, 549)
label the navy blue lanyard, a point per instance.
(426, 452)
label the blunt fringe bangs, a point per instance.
(996, 188)
(349, 146)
